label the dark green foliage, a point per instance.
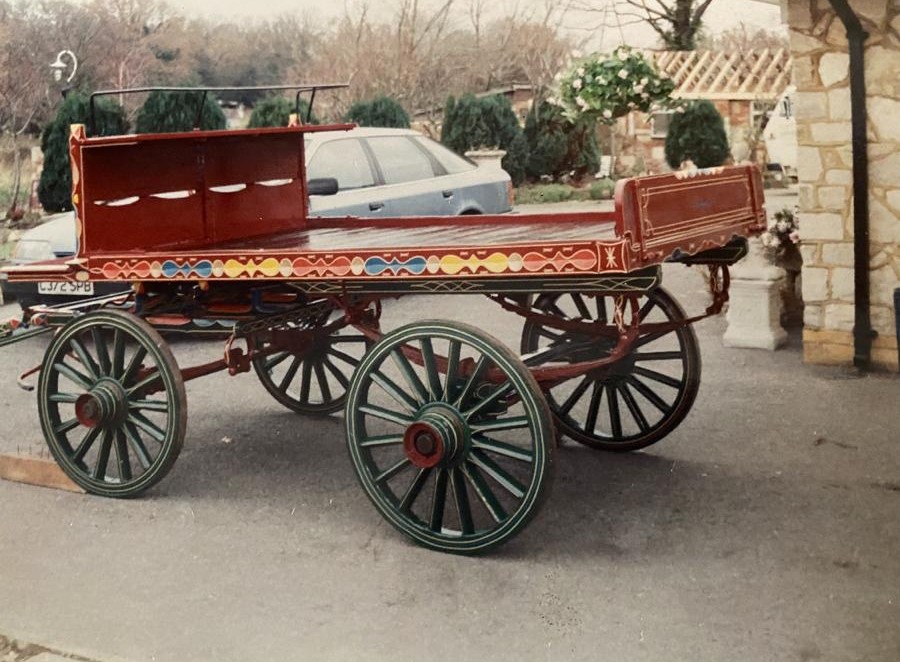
(55, 188)
(381, 111)
(276, 111)
(165, 112)
(557, 146)
(698, 135)
(486, 122)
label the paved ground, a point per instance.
(764, 528)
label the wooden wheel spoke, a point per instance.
(275, 359)
(498, 473)
(648, 394)
(415, 488)
(658, 356)
(306, 380)
(134, 438)
(99, 472)
(594, 407)
(452, 367)
(86, 359)
(501, 391)
(123, 461)
(386, 414)
(288, 376)
(615, 417)
(101, 350)
(483, 490)
(652, 337)
(134, 365)
(477, 375)
(343, 356)
(334, 340)
(147, 426)
(575, 395)
(409, 375)
(118, 357)
(63, 398)
(581, 306)
(633, 407)
(85, 444)
(392, 471)
(66, 426)
(144, 384)
(431, 369)
(486, 443)
(648, 306)
(338, 375)
(657, 376)
(382, 440)
(322, 380)
(438, 501)
(149, 405)
(393, 389)
(73, 375)
(498, 424)
(461, 498)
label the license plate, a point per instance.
(66, 289)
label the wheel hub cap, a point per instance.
(100, 405)
(437, 437)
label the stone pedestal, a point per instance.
(755, 304)
(487, 158)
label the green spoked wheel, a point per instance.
(638, 400)
(450, 436)
(112, 404)
(313, 376)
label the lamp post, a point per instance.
(59, 67)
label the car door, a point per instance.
(346, 160)
(408, 172)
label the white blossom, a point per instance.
(580, 71)
(576, 84)
(581, 102)
(607, 114)
(623, 74)
(638, 89)
(601, 81)
(644, 81)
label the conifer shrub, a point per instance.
(697, 135)
(55, 186)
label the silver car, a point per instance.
(399, 172)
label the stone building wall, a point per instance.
(821, 74)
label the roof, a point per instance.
(738, 75)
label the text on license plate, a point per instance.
(66, 288)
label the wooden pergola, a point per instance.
(755, 75)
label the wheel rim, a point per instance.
(641, 398)
(456, 462)
(313, 379)
(111, 403)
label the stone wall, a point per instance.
(821, 63)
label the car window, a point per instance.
(400, 160)
(346, 161)
(450, 161)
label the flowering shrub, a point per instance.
(783, 235)
(606, 87)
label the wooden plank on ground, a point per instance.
(35, 471)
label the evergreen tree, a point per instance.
(381, 111)
(486, 122)
(276, 111)
(698, 135)
(557, 146)
(165, 112)
(55, 187)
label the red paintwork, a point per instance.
(143, 200)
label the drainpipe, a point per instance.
(863, 333)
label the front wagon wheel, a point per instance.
(450, 436)
(112, 404)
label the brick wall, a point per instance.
(819, 45)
